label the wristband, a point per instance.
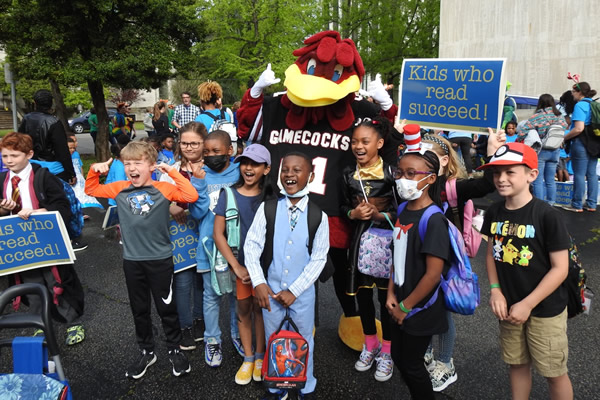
(495, 286)
(404, 309)
(349, 212)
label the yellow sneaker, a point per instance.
(244, 374)
(257, 373)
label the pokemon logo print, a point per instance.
(140, 203)
(505, 250)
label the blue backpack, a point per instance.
(461, 285)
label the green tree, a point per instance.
(386, 31)
(244, 35)
(119, 43)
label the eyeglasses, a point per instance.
(409, 173)
(193, 145)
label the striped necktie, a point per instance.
(294, 215)
(16, 194)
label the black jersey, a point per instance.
(329, 149)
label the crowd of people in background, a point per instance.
(197, 160)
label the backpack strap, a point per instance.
(232, 219)
(432, 209)
(266, 257)
(452, 198)
(223, 115)
(288, 319)
(214, 117)
(314, 220)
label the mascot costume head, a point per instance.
(322, 81)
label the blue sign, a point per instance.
(453, 94)
(184, 241)
(36, 242)
(111, 218)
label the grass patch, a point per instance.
(87, 160)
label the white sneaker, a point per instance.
(429, 361)
(385, 367)
(212, 353)
(366, 359)
(442, 376)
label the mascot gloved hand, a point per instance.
(266, 79)
(379, 94)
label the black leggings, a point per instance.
(408, 352)
(339, 257)
(465, 148)
(366, 310)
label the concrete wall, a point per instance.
(542, 40)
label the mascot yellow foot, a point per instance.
(351, 332)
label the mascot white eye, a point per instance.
(337, 73)
(310, 68)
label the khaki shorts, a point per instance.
(540, 341)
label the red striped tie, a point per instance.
(16, 194)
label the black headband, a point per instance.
(438, 141)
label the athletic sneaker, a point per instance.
(443, 376)
(212, 353)
(429, 361)
(187, 341)
(180, 363)
(279, 395)
(573, 209)
(366, 359)
(307, 396)
(198, 330)
(385, 367)
(257, 373)
(78, 246)
(138, 368)
(75, 334)
(244, 374)
(237, 343)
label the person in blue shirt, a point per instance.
(220, 172)
(584, 165)
(210, 94)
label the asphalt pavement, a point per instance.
(96, 367)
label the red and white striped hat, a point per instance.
(412, 137)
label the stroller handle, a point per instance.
(27, 320)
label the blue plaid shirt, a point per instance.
(184, 114)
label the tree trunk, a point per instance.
(97, 92)
(59, 104)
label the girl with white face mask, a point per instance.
(417, 268)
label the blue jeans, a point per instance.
(584, 167)
(212, 305)
(547, 162)
(189, 296)
(445, 341)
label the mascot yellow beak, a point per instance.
(314, 91)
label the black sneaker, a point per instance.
(279, 395)
(78, 246)
(198, 330)
(138, 368)
(181, 365)
(187, 341)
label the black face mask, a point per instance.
(216, 163)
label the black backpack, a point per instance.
(575, 282)
(314, 220)
(591, 133)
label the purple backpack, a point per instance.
(461, 284)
